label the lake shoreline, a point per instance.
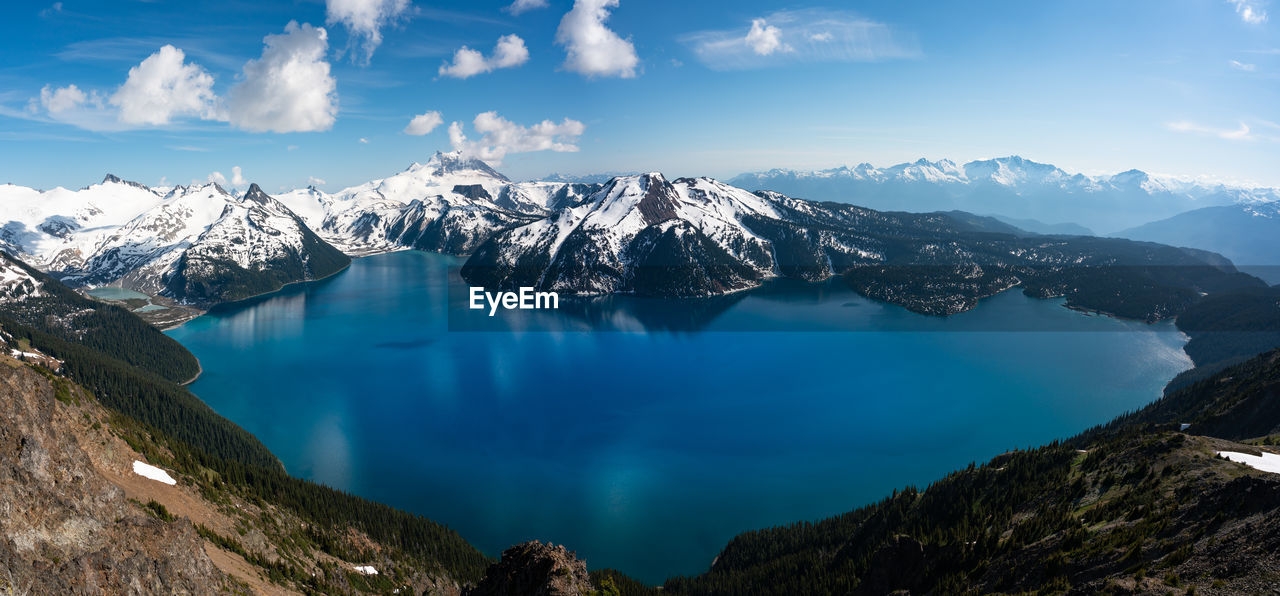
(438, 391)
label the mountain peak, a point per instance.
(114, 179)
(458, 162)
(255, 194)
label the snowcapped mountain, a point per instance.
(198, 244)
(636, 234)
(449, 204)
(60, 228)
(256, 245)
(1010, 187)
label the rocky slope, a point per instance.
(535, 569)
(66, 528)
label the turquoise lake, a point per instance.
(643, 433)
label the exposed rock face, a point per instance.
(535, 569)
(64, 528)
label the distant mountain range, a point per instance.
(639, 234)
(1248, 234)
(1010, 187)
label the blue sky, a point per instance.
(1187, 87)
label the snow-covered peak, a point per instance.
(113, 179)
(924, 170)
(1013, 171)
(455, 162)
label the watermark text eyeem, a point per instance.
(525, 299)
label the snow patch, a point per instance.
(149, 471)
(1267, 462)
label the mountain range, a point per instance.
(1011, 187)
(642, 234)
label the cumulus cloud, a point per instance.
(288, 89)
(592, 48)
(522, 6)
(162, 87)
(1250, 11)
(500, 137)
(313, 181)
(804, 35)
(424, 123)
(765, 39)
(364, 19)
(75, 106)
(237, 178)
(62, 99)
(1242, 66)
(1231, 134)
(364, 141)
(510, 52)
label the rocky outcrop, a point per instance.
(535, 569)
(66, 529)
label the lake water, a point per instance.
(648, 447)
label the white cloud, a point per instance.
(63, 99)
(510, 52)
(288, 89)
(53, 9)
(522, 6)
(73, 105)
(592, 48)
(1230, 134)
(1242, 66)
(424, 123)
(365, 18)
(313, 181)
(765, 39)
(162, 87)
(237, 178)
(500, 137)
(1250, 11)
(364, 141)
(804, 35)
